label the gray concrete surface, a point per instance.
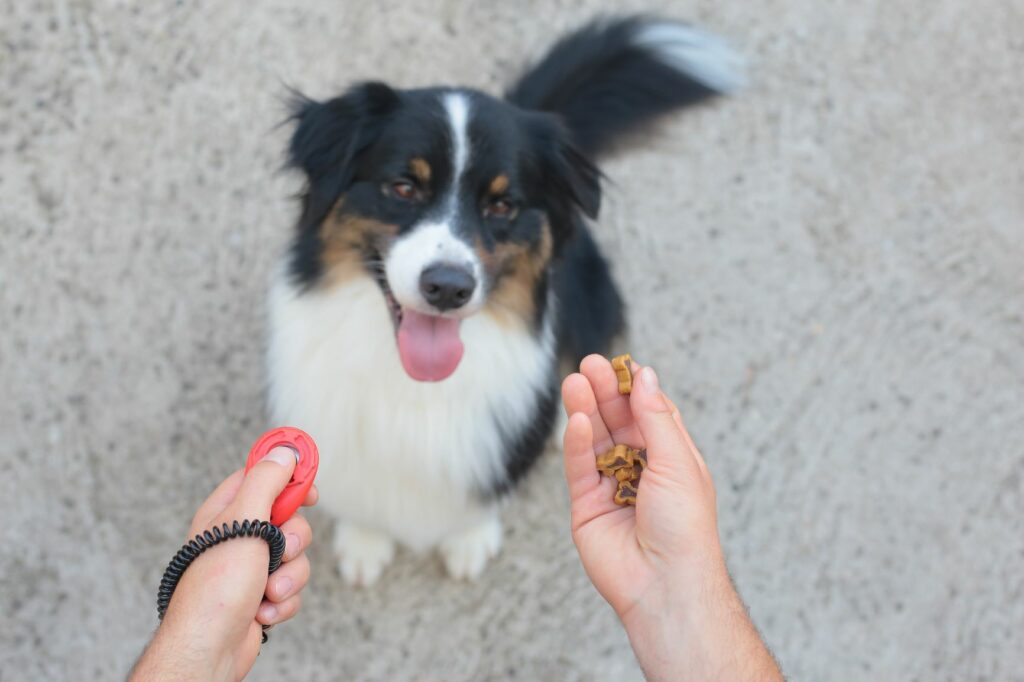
(828, 270)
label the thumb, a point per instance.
(668, 451)
(264, 482)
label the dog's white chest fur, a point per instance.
(398, 456)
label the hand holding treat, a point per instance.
(651, 545)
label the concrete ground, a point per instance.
(828, 271)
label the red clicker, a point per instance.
(295, 492)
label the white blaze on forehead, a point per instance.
(457, 107)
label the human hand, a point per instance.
(212, 628)
(636, 555)
(658, 564)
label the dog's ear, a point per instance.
(329, 137)
(570, 181)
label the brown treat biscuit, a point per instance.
(626, 494)
(619, 457)
(639, 463)
(621, 365)
(625, 465)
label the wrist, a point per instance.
(703, 629)
(206, 622)
(685, 585)
(693, 620)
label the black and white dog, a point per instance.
(441, 270)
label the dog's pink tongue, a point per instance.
(429, 346)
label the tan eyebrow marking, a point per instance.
(499, 185)
(421, 169)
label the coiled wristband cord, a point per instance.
(196, 546)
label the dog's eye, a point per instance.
(500, 208)
(405, 190)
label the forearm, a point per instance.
(171, 656)
(699, 633)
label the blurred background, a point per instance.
(827, 270)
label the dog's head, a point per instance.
(454, 202)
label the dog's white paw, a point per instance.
(466, 554)
(364, 554)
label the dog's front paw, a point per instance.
(466, 554)
(364, 554)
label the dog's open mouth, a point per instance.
(429, 345)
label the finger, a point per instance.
(578, 397)
(271, 613)
(217, 502)
(676, 416)
(668, 451)
(297, 535)
(580, 466)
(678, 419)
(590, 494)
(289, 579)
(312, 497)
(613, 406)
(264, 483)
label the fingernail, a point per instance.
(269, 611)
(292, 545)
(282, 455)
(284, 586)
(650, 381)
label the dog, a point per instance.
(441, 270)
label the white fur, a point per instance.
(363, 553)
(700, 55)
(466, 554)
(428, 244)
(400, 457)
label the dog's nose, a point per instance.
(447, 287)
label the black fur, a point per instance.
(604, 86)
(590, 308)
(327, 139)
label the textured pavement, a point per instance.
(828, 271)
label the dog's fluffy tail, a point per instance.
(612, 76)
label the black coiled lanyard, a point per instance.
(196, 546)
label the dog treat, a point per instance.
(626, 494)
(641, 457)
(622, 369)
(619, 457)
(625, 465)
